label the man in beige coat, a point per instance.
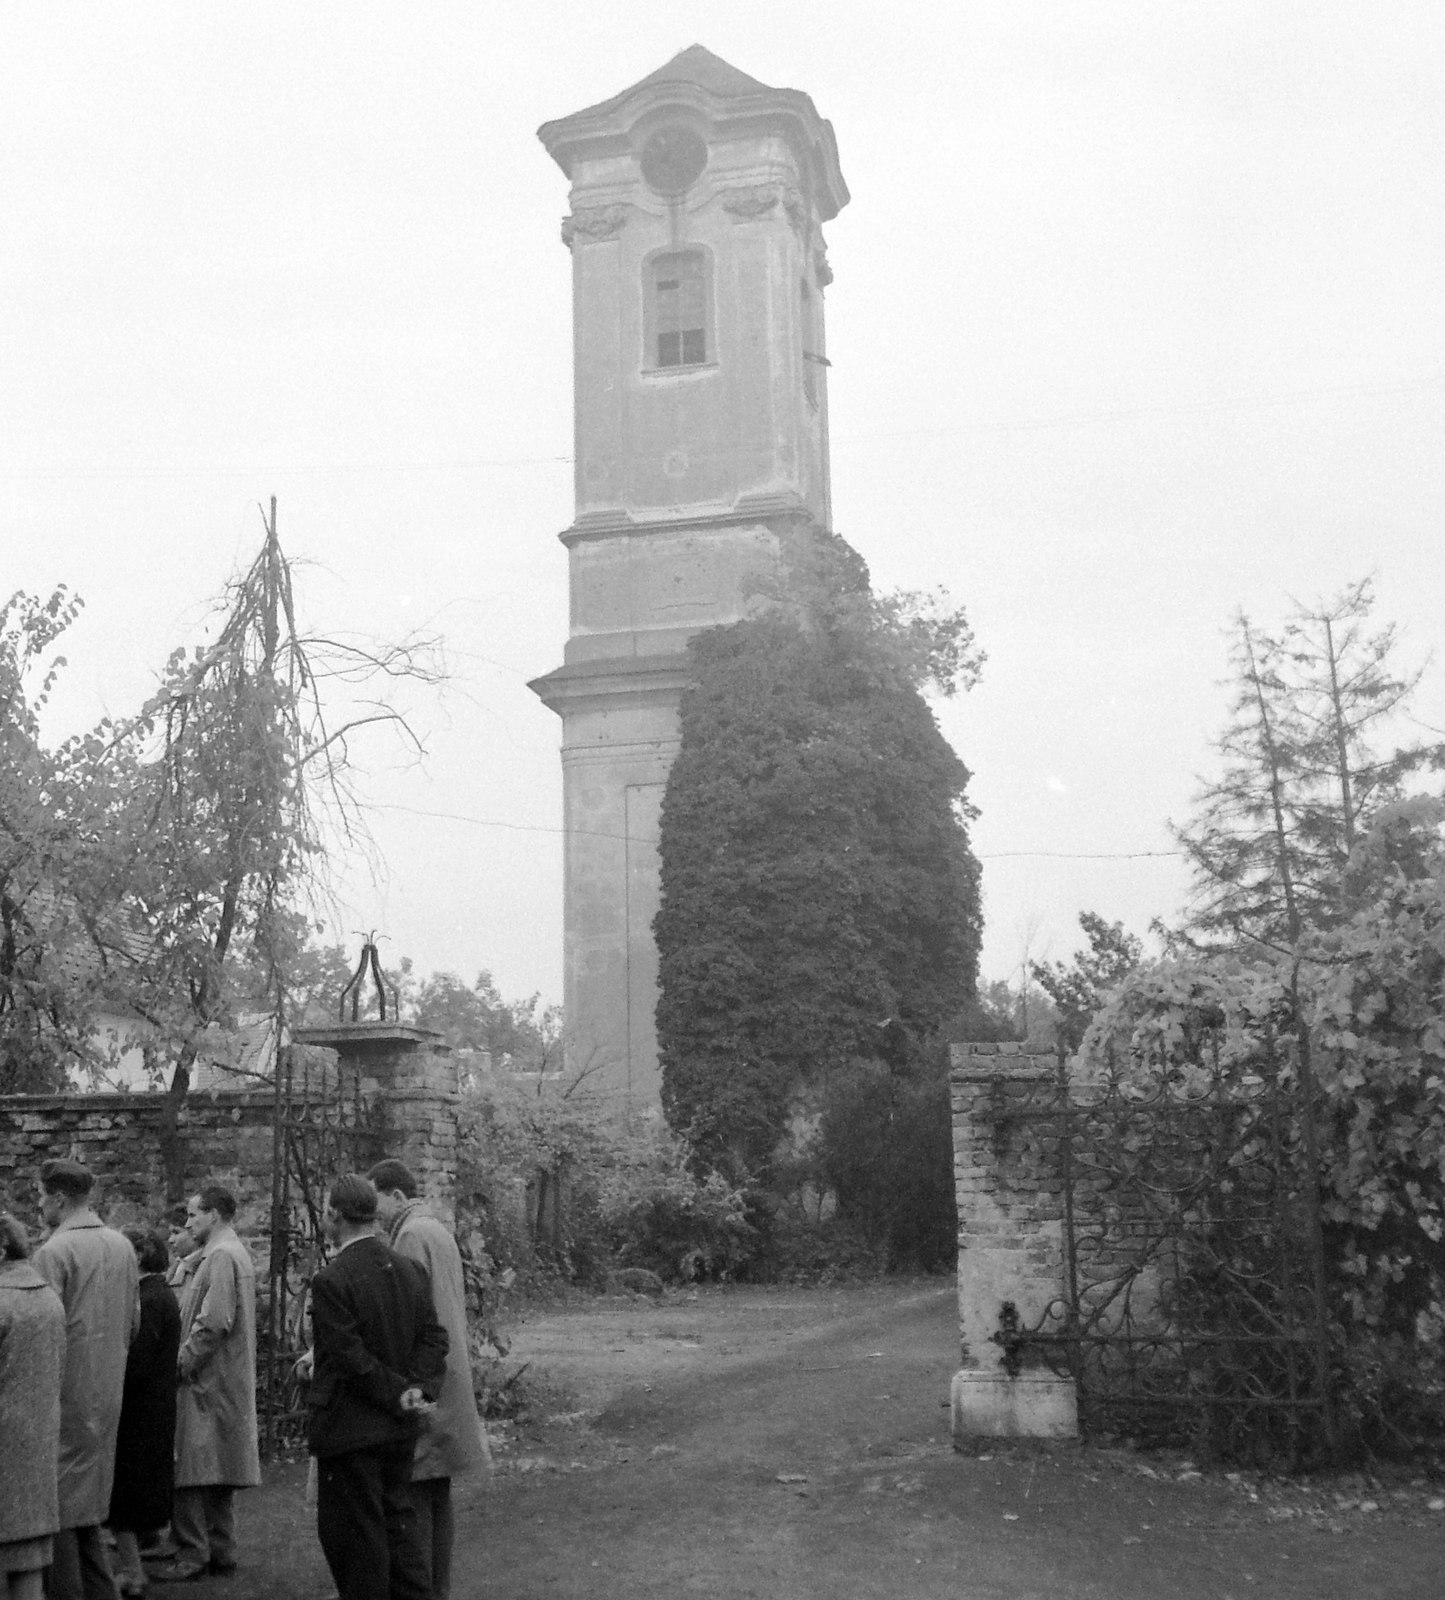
(216, 1444)
(454, 1440)
(93, 1270)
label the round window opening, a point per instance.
(673, 159)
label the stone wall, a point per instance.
(227, 1139)
(408, 1080)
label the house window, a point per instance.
(679, 309)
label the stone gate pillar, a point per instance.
(410, 1081)
(1010, 1238)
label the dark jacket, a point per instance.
(145, 1442)
(376, 1336)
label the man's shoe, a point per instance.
(180, 1572)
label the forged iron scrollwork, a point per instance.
(1188, 1311)
(323, 1126)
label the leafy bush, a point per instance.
(886, 1150)
(1371, 994)
(554, 1180)
(686, 1228)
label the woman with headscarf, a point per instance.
(140, 1501)
(32, 1363)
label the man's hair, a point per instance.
(151, 1251)
(389, 1175)
(14, 1241)
(65, 1177)
(214, 1198)
(354, 1198)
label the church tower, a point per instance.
(698, 268)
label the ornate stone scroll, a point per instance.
(591, 223)
(750, 203)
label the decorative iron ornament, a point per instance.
(323, 1126)
(369, 958)
(1190, 1221)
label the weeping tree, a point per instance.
(204, 820)
(250, 775)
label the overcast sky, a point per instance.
(1137, 319)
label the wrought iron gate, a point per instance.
(323, 1127)
(1191, 1308)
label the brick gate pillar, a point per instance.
(1010, 1238)
(410, 1081)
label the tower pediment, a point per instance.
(726, 100)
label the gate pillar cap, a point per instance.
(352, 1038)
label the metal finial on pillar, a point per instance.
(369, 957)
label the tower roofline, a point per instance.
(728, 98)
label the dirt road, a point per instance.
(756, 1443)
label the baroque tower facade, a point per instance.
(701, 436)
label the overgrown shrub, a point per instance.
(555, 1181)
(820, 900)
(885, 1149)
(1372, 997)
(688, 1229)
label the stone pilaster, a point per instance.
(1010, 1237)
(410, 1081)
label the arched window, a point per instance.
(678, 295)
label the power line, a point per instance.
(1081, 419)
(637, 838)
(1080, 855)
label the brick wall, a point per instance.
(1009, 1190)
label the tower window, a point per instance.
(679, 309)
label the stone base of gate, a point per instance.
(992, 1405)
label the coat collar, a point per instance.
(84, 1218)
(407, 1211)
(221, 1234)
(21, 1275)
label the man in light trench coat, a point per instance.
(93, 1270)
(216, 1445)
(454, 1440)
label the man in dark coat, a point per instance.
(453, 1441)
(380, 1357)
(140, 1499)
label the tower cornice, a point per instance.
(728, 102)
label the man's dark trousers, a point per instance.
(367, 1524)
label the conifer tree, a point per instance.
(1303, 772)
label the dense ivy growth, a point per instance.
(820, 902)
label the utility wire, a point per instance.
(637, 838)
(963, 430)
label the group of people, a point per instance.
(128, 1393)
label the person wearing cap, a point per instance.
(216, 1443)
(93, 1270)
(453, 1441)
(377, 1366)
